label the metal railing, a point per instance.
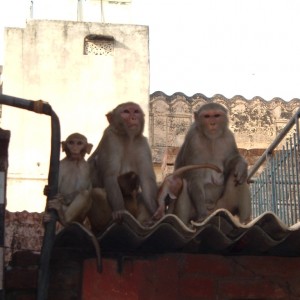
(42, 107)
(277, 187)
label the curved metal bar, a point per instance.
(273, 146)
(49, 235)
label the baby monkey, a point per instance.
(73, 200)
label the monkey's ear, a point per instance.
(63, 146)
(88, 148)
(109, 117)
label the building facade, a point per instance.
(83, 70)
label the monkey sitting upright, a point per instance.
(121, 167)
(209, 140)
(74, 185)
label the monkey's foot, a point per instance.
(200, 219)
(149, 223)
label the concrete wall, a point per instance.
(46, 61)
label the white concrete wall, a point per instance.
(45, 61)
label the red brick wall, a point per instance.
(187, 277)
(164, 277)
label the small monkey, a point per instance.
(209, 140)
(130, 184)
(173, 197)
(100, 214)
(123, 149)
(74, 185)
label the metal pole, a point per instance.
(49, 235)
(272, 147)
(4, 142)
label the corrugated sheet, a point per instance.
(220, 233)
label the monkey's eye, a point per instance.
(206, 116)
(126, 111)
(79, 143)
(136, 111)
(217, 115)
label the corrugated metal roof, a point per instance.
(220, 233)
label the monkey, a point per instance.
(100, 213)
(122, 149)
(74, 183)
(129, 184)
(236, 198)
(209, 140)
(173, 197)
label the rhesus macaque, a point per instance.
(209, 140)
(173, 197)
(74, 183)
(122, 149)
(100, 214)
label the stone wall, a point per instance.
(23, 231)
(255, 123)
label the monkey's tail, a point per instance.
(95, 244)
(183, 169)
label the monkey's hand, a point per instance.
(55, 203)
(240, 172)
(117, 215)
(160, 212)
(47, 218)
(46, 190)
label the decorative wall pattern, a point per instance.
(255, 122)
(98, 45)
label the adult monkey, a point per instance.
(74, 184)
(209, 140)
(123, 149)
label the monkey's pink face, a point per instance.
(76, 147)
(213, 121)
(132, 115)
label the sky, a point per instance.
(229, 47)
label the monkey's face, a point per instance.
(133, 118)
(131, 114)
(213, 122)
(76, 148)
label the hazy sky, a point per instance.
(229, 47)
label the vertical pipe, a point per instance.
(265, 190)
(255, 200)
(273, 186)
(49, 235)
(4, 142)
(281, 184)
(289, 182)
(297, 169)
(286, 183)
(293, 178)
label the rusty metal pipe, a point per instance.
(42, 107)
